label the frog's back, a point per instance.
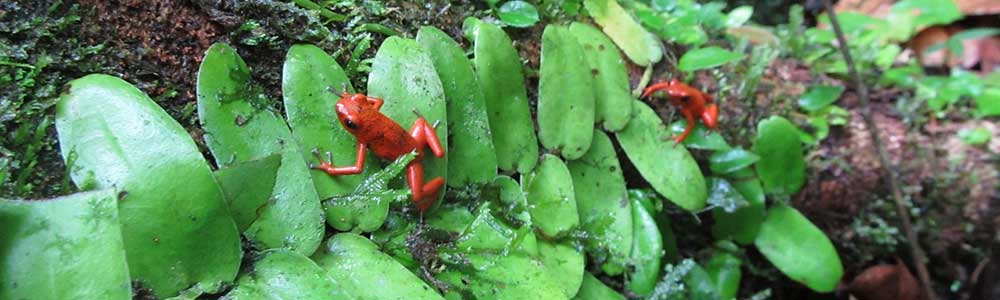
(389, 140)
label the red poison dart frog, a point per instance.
(360, 115)
(691, 102)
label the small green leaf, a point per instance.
(355, 263)
(722, 195)
(641, 47)
(724, 270)
(988, 104)
(782, 165)
(593, 289)
(551, 200)
(64, 248)
(565, 111)
(708, 57)
(738, 16)
(564, 264)
(669, 168)
(602, 203)
(282, 274)
(743, 224)
(518, 13)
(931, 12)
(367, 207)
(730, 160)
(799, 249)
(819, 97)
(647, 251)
(975, 136)
(700, 137)
(247, 187)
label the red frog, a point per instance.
(691, 101)
(360, 115)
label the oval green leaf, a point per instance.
(247, 187)
(64, 248)
(471, 158)
(602, 203)
(404, 76)
(700, 137)
(511, 277)
(551, 200)
(612, 97)
(647, 251)
(565, 110)
(743, 224)
(311, 84)
(175, 225)
(564, 264)
(819, 97)
(782, 166)
(356, 264)
(731, 160)
(239, 127)
(499, 72)
(282, 274)
(670, 170)
(799, 249)
(641, 47)
(724, 270)
(593, 289)
(708, 57)
(518, 13)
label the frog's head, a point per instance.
(352, 110)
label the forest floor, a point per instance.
(158, 45)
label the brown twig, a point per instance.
(918, 253)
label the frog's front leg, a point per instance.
(687, 130)
(424, 194)
(327, 165)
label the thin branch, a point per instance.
(918, 253)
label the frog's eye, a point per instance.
(350, 124)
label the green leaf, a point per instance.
(975, 136)
(510, 277)
(602, 203)
(731, 160)
(819, 97)
(471, 158)
(403, 75)
(647, 251)
(723, 195)
(743, 224)
(240, 127)
(670, 169)
(354, 263)
(988, 104)
(739, 16)
(639, 45)
(64, 248)
(612, 97)
(565, 111)
(485, 233)
(281, 274)
(551, 199)
(705, 58)
(247, 187)
(782, 166)
(498, 70)
(931, 12)
(367, 207)
(700, 137)
(593, 289)
(799, 249)
(564, 264)
(173, 214)
(724, 270)
(518, 13)
(311, 83)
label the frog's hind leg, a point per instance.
(425, 135)
(424, 194)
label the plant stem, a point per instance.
(915, 250)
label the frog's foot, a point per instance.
(322, 163)
(429, 192)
